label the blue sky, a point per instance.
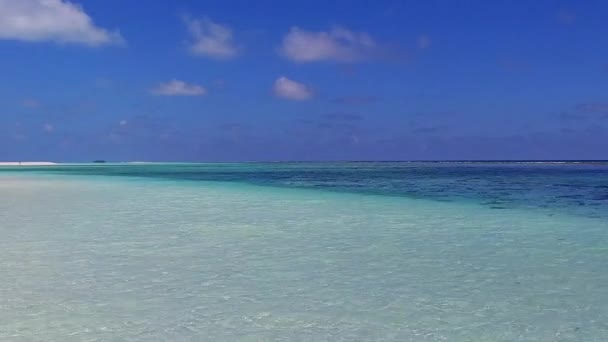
(315, 80)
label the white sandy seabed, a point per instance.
(109, 259)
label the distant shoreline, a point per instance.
(497, 161)
(27, 163)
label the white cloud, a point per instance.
(123, 122)
(211, 39)
(338, 44)
(48, 127)
(291, 90)
(51, 20)
(177, 88)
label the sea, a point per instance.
(345, 251)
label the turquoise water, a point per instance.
(579, 188)
(304, 252)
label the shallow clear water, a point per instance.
(576, 188)
(159, 254)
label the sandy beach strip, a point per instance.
(27, 163)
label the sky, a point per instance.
(235, 80)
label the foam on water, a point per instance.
(98, 259)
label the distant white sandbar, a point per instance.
(27, 163)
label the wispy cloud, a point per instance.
(231, 126)
(178, 88)
(595, 107)
(566, 17)
(355, 100)
(567, 130)
(52, 20)
(211, 39)
(586, 112)
(428, 129)
(570, 116)
(140, 128)
(291, 90)
(343, 116)
(424, 41)
(512, 64)
(47, 127)
(338, 44)
(31, 103)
